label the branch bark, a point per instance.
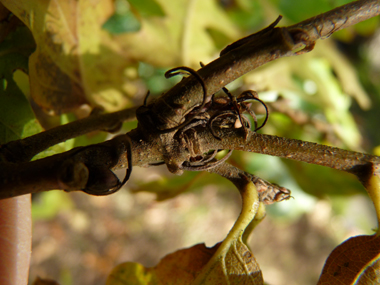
(84, 168)
(23, 150)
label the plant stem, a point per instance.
(350, 161)
(23, 150)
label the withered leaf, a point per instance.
(184, 266)
(229, 262)
(356, 261)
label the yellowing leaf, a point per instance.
(180, 267)
(356, 261)
(229, 262)
(75, 62)
(181, 37)
(78, 62)
(373, 189)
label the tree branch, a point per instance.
(90, 168)
(324, 25)
(353, 162)
(23, 150)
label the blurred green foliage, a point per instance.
(16, 116)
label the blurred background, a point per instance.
(330, 95)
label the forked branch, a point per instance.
(90, 168)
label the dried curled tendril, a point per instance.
(206, 162)
(216, 110)
(234, 108)
(220, 112)
(186, 70)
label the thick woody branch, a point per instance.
(84, 168)
(74, 169)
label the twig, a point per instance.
(23, 150)
(353, 162)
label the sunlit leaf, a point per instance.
(183, 266)
(319, 87)
(299, 10)
(78, 62)
(147, 8)
(373, 189)
(180, 37)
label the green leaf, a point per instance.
(17, 119)
(247, 14)
(299, 10)
(49, 204)
(123, 21)
(71, 45)
(326, 181)
(147, 8)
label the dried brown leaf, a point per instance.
(182, 267)
(356, 261)
(229, 262)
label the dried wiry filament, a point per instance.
(180, 70)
